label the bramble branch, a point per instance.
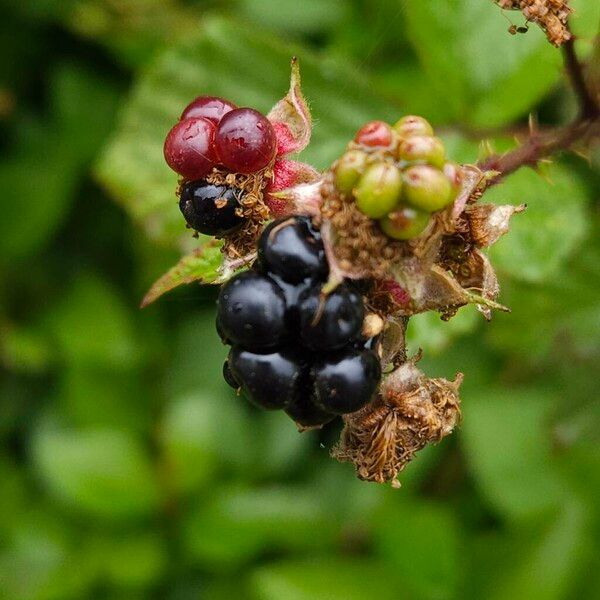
(540, 145)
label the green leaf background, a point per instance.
(129, 469)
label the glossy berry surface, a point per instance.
(427, 188)
(412, 125)
(251, 311)
(245, 141)
(305, 412)
(270, 381)
(189, 148)
(378, 190)
(291, 248)
(230, 380)
(345, 381)
(427, 149)
(404, 223)
(210, 209)
(349, 169)
(375, 134)
(208, 107)
(330, 322)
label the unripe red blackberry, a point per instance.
(189, 148)
(375, 134)
(208, 107)
(245, 141)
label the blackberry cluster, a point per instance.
(398, 175)
(214, 133)
(294, 348)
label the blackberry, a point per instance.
(345, 381)
(291, 248)
(330, 322)
(270, 381)
(292, 348)
(251, 311)
(210, 209)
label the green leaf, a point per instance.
(549, 231)
(202, 265)
(239, 62)
(131, 560)
(237, 523)
(428, 332)
(58, 154)
(508, 445)
(101, 472)
(486, 75)
(548, 570)
(421, 542)
(92, 326)
(327, 579)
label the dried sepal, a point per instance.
(291, 117)
(489, 222)
(410, 412)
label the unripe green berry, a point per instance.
(455, 176)
(426, 188)
(404, 223)
(378, 190)
(428, 149)
(412, 125)
(348, 170)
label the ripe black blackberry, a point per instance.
(294, 348)
(210, 209)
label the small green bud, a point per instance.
(412, 125)
(404, 223)
(378, 190)
(348, 170)
(426, 188)
(428, 149)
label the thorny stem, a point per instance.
(540, 145)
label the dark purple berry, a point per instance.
(270, 381)
(230, 380)
(251, 311)
(330, 322)
(306, 413)
(345, 381)
(292, 249)
(208, 107)
(189, 148)
(245, 141)
(210, 209)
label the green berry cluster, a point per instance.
(398, 175)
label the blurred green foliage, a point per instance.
(128, 469)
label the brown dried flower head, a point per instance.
(550, 15)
